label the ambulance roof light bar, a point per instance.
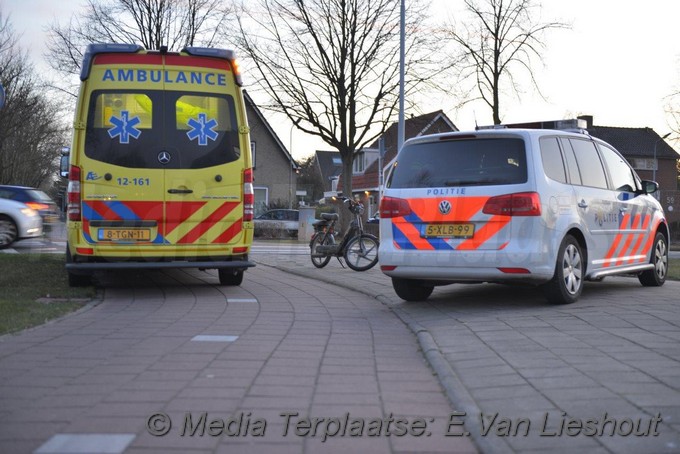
(574, 125)
(224, 54)
(100, 48)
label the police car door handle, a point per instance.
(582, 204)
(180, 191)
(623, 209)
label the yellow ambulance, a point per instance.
(160, 172)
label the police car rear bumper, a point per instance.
(474, 275)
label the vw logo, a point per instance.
(164, 157)
(444, 207)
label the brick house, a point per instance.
(366, 175)
(640, 146)
(274, 169)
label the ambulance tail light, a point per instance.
(73, 194)
(518, 204)
(236, 70)
(248, 195)
(393, 207)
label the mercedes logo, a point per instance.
(444, 207)
(164, 157)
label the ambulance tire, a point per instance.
(74, 279)
(411, 290)
(657, 276)
(230, 277)
(567, 284)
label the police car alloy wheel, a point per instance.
(657, 276)
(567, 284)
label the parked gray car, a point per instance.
(277, 223)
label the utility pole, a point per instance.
(402, 46)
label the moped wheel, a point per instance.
(361, 252)
(318, 259)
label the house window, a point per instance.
(358, 166)
(371, 205)
(261, 200)
(252, 151)
(644, 164)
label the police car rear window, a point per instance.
(132, 128)
(469, 162)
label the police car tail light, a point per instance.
(519, 204)
(73, 192)
(393, 207)
(248, 195)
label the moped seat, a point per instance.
(330, 216)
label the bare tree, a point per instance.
(31, 133)
(310, 178)
(672, 108)
(332, 66)
(151, 23)
(498, 42)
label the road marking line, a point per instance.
(213, 338)
(86, 443)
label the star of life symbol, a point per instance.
(124, 127)
(202, 129)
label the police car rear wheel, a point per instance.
(657, 276)
(567, 283)
(230, 277)
(410, 290)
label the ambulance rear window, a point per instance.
(467, 162)
(131, 129)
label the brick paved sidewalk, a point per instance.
(176, 345)
(610, 362)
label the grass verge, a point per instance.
(34, 289)
(674, 269)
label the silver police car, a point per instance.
(541, 206)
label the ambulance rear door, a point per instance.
(201, 154)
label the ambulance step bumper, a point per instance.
(94, 266)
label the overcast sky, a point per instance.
(618, 62)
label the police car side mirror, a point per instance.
(649, 187)
(63, 167)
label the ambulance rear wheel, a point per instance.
(229, 276)
(74, 279)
